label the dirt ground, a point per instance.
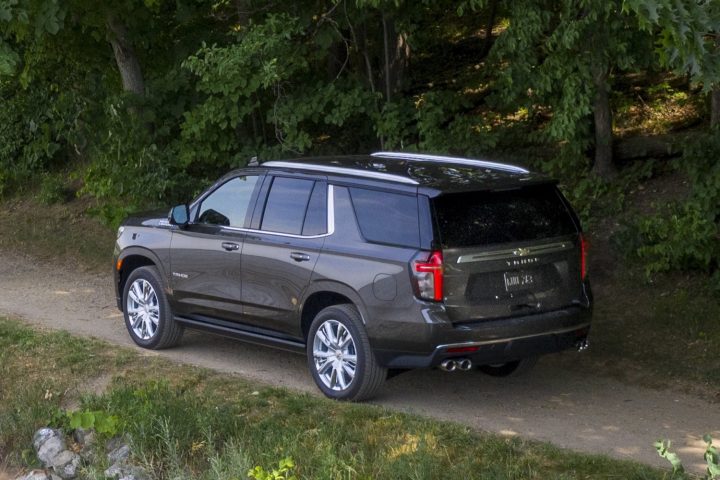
(568, 409)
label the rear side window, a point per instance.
(385, 217)
(286, 205)
(486, 218)
(316, 215)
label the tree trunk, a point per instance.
(127, 61)
(715, 95)
(396, 54)
(603, 166)
(487, 43)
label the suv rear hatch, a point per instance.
(508, 253)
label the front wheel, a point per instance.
(339, 355)
(509, 369)
(147, 313)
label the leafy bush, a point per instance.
(711, 456)
(684, 235)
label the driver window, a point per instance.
(228, 205)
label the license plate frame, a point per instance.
(518, 280)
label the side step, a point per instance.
(245, 333)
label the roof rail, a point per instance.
(456, 160)
(342, 170)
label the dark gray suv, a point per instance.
(368, 265)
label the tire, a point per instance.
(509, 369)
(148, 317)
(332, 370)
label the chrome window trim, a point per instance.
(511, 339)
(445, 159)
(330, 222)
(518, 252)
(342, 170)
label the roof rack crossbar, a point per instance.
(342, 170)
(456, 160)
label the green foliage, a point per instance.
(52, 189)
(711, 456)
(96, 420)
(684, 235)
(686, 37)
(284, 471)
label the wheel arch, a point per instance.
(326, 294)
(133, 258)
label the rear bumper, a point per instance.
(494, 341)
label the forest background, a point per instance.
(133, 104)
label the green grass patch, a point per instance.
(57, 232)
(187, 422)
(661, 335)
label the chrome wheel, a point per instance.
(143, 309)
(334, 355)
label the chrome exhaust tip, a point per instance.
(582, 345)
(449, 365)
(465, 364)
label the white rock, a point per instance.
(48, 444)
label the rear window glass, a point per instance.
(386, 217)
(484, 218)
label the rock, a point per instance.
(53, 453)
(123, 471)
(48, 444)
(39, 475)
(85, 438)
(119, 454)
(67, 465)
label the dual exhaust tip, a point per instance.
(456, 365)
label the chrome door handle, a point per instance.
(230, 246)
(299, 257)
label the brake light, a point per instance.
(428, 276)
(583, 256)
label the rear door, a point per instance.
(508, 253)
(281, 249)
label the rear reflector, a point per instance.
(463, 349)
(583, 256)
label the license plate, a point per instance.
(515, 281)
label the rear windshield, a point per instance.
(485, 218)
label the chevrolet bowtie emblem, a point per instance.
(521, 252)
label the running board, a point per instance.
(241, 332)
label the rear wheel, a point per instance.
(339, 355)
(147, 313)
(509, 369)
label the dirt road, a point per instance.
(596, 415)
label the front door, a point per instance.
(205, 256)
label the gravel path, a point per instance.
(596, 415)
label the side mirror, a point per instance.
(179, 215)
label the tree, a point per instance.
(562, 54)
(688, 39)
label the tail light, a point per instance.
(583, 256)
(427, 271)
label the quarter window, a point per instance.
(228, 205)
(384, 217)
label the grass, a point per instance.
(661, 335)
(59, 232)
(187, 422)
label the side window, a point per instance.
(228, 205)
(384, 217)
(316, 216)
(286, 205)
